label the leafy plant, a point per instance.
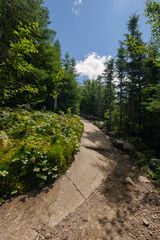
(42, 146)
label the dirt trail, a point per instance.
(122, 208)
(100, 197)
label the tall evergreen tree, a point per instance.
(108, 78)
(121, 65)
(135, 73)
(70, 95)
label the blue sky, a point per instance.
(92, 28)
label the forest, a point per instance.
(127, 94)
(41, 98)
(35, 81)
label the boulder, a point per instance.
(126, 157)
(142, 179)
(122, 145)
(128, 147)
(118, 143)
(27, 106)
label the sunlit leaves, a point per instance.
(152, 103)
(24, 47)
(153, 13)
(135, 45)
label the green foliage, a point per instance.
(140, 158)
(115, 119)
(93, 98)
(131, 106)
(24, 47)
(152, 101)
(146, 158)
(152, 12)
(135, 45)
(35, 147)
(40, 148)
(70, 94)
(108, 77)
(15, 67)
(31, 68)
(155, 169)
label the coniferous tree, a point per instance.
(121, 65)
(70, 95)
(135, 53)
(93, 97)
(108, 78)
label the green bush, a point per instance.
(155, 169)
(140, 158)
(146, 158)
(35, 148)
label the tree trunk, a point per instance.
(120, 99)
(55, 104)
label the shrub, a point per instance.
(155, 169)
(40, 147)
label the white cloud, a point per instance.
(77, 6)
(92, 66)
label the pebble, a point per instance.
(23, 198)
(129, 180)
(48, 236)
(120, 213)
(145, 222)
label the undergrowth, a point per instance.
(35, 148)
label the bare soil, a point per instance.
(121, 208)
